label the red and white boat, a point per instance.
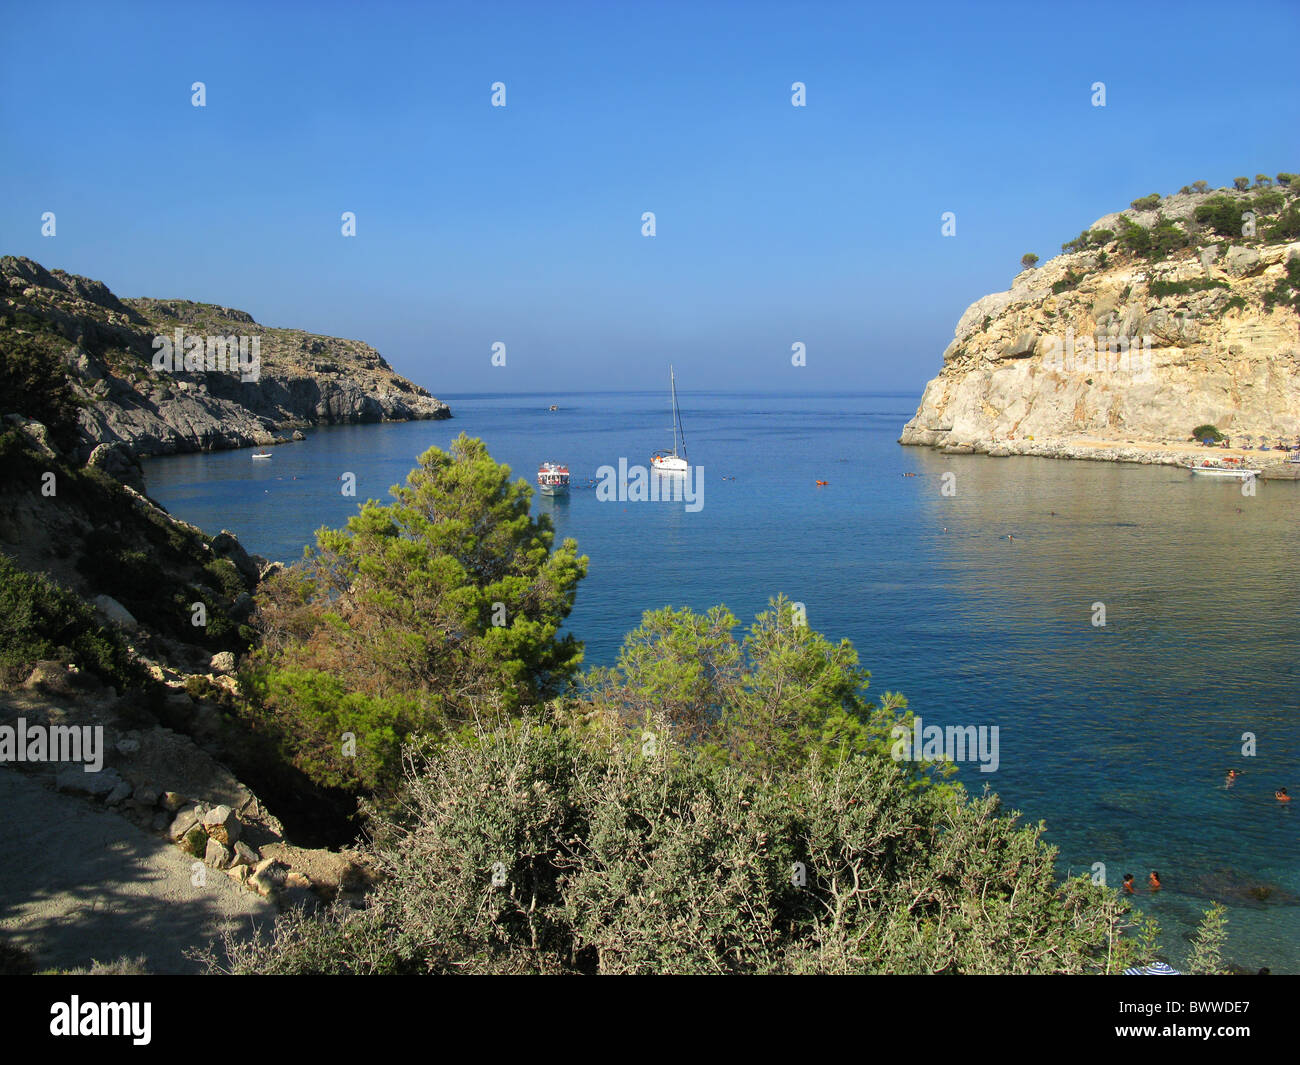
(553, 479)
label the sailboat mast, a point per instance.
(677, 414)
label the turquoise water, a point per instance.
(1118, 736)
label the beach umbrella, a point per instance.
(1156, 968)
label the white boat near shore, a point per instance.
(1224, 471)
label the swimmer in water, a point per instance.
(1153, 881)
(1128, 883)
(1281, 796)
(1230, 779)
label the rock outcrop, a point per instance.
(110, 350)
(1106, 347)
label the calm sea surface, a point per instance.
(1117, 736)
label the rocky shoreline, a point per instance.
(1272, 465)
(117, 356)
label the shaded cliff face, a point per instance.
(1108, 344)
(106, 346)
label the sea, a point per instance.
(1132, 631)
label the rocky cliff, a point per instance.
(117, 357)
(1181, 312)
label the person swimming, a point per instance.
(1128, 883)
(1281, 796)
(1153, 881)
(1230, 779)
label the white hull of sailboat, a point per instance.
(670, 464)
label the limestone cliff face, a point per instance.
(107, 351)
(1126, 348)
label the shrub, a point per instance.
(1079, 243)
(1240, 182)
(1201, 186)
(1167, 236)
(1069, 281)
(1160, 289)
(1028, 261)
(1208, 942)
(1263, 181)
(1222, 214)
(1287, 179)
(768, 702)
(1287, 290)
(532, 849)
(1134, 239)
(417, 616)
(1269, 202)
(1202, 431)
(39, 620)
(1287, 226)
(1146, 203)
(33, 385)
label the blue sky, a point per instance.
(522, 224)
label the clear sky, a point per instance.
(478, 224)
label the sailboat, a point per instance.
(664, 461)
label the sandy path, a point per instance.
(78, 881)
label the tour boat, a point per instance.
(664, 461)
(261, 454)
(1240, 473)
(553, 479)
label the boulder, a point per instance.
(243, 854)
(146, 795)
(119, 462)
(38, 436)
(1023, 345)
(226, 545)
(119, 794)
(1240, 262)
(116, 612)
(216, 855)
(221, 824)
(185, 820)
(172, 801)
(50, 677)
(242, 608)
(268, 876)
(223, 662)
(74, 778)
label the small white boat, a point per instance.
(261, 455)
(664, 461)
(1237, 473)
(553, 479)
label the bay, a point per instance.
(1118, 736)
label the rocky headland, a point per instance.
(1183, 311)
(110, 350)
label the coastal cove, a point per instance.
(1117, 736)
